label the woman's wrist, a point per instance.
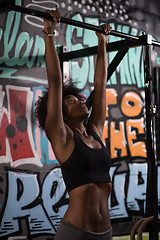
(103, 42)
(49, 29)
(48, 33)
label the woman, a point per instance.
(78, 147)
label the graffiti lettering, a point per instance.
(128, 135)
(23, 41)
(44, 207)
(129, 69)
(42, 145)
(41, 212)
(120, 145)
(130, 130)
(138, 181)
(131, 104)
(135, 128)
(16, 131)
(15, 128)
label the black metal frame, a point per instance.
(122, 47)
(152, 195)
(9, 5)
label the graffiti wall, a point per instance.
(33, 197)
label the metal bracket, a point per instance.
(149, 39)
(153, 110)
(65, 66)
(147, 84)
(146, 39)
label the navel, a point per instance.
(100, 210)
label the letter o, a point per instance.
(131, 105)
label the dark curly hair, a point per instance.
(69, 88)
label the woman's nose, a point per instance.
(81, 102)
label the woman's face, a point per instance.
(75, 107)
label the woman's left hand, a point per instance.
(104, 37)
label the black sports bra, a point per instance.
(86, 165)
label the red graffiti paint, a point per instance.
(15, 129)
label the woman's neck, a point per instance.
(78, 127)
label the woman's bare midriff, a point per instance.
(88, 207)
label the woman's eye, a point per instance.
(70, 101)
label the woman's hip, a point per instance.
(68, 231)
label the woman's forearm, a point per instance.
(51, 56)
(101, 64)
(52, 60)
(100, 78)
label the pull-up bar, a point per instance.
(9, 5)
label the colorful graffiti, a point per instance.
(33, 197)
(49, 198)
(45, 206)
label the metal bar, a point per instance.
(9, 5)
(85, 52)
(97, 28)
(114, 46)
(155, 43)
(116, 61)
(72, 22)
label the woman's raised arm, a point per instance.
(54, 120)
(97, 118)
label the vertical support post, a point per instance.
(157, 118)
(64, 65)
(151, 198)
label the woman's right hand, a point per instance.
(104, 37)
(50, 26)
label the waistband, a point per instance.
(83, 230)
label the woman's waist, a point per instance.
(90, 221)
(88, 208)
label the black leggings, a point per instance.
(68, 231)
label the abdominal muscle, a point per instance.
(88, 207)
